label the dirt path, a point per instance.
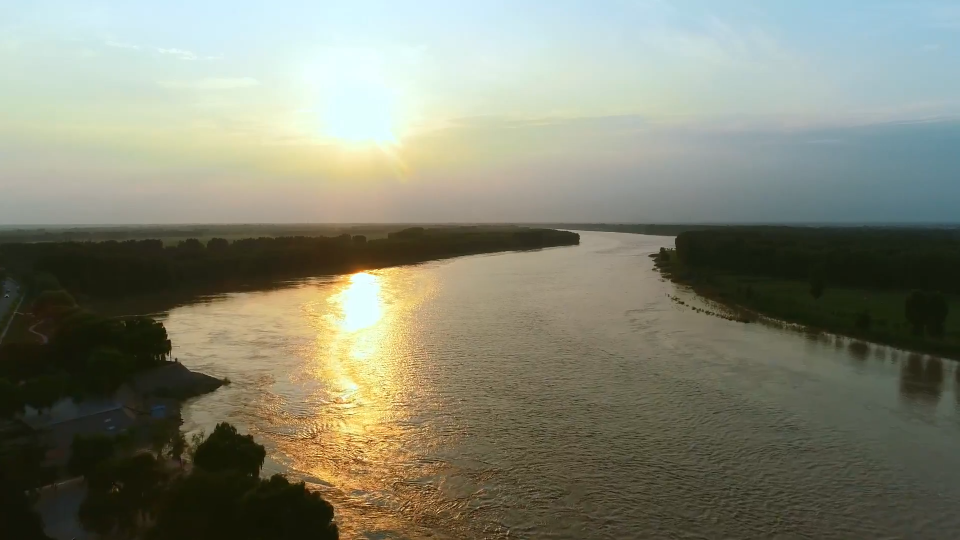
(32, 329)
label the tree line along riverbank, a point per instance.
(896, 287)
(116, 269)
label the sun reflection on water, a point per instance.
(360, 302)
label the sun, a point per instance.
(360, 113)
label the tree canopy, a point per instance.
(882, 258)
(90, 451)
(228, 505)
(226, 449)
(112, 268)
(121, 493)
(86, 354)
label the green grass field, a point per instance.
(836, 311)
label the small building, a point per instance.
(56, 427)
(149, 397)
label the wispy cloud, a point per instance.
(122, 45)
(213, 83)
(827, 142)
(174, 52)
(713, 40)
(179, 53)
(930, 47)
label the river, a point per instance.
(561, 394)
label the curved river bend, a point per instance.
(561, 394)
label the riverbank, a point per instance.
(110, 270)
(870, 315)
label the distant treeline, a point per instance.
(884, 258)
(182, 232)
(636, 228)
(111, 268)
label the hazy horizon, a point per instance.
(616, 111)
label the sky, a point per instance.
(479, 111)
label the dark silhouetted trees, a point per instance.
(926, 313)
(111, 268)
(217, 244)
(864, 321)
(11, 399)
(817, 284)
(276, 508)
(17, 518)
(90, 451)
(224, 498)
(883, 258)
(122, 494)
(226, 449)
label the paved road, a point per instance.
(58, 508)
(9, 287)
(8, 304)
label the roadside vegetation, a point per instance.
(87, 355)
(896, 287)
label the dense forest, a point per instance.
(174, 233)
(112, 268)
(876, 258)
(651, 229)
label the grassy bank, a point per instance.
(839, 310)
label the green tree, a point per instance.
(927, 312)
(191, 244)
(11, 399)
(178, 446)
(163, 435)
(277, 509)
(88, 452)
(202, 506)
(45, 281)
(17, 518)
(122, 494)
(21, 464)
(41, 393)
(230, 505)
(817, 285)
(53, 303)
(226, 449)
(107, 369)
(936, 312)
(864, 321)
(217, 244)
(915, 311)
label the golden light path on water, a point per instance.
(334, 389)
(355, 432)
(562, 394)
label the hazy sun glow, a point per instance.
(360, 113)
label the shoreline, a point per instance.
(162, 301)
(746, 314)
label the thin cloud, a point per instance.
(122, 45)
(213, 83)
(179, 53)
(828, 142)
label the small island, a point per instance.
(893, 286)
